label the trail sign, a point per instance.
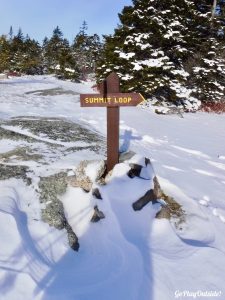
(111, 98)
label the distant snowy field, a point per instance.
(129, 255)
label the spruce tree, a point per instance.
(4, 54)
(207, 71)
(58, 56)
(86, 50)
(31, 63)
(10, 33)
(160, 46)
(44, 54)
(17, 51)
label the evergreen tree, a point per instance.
(44, 54)
(17, 51)
(4, 54)
(19, 35)
(86, 50)
(161, 48)
(58, 56)
(31, 63)
(207, 71)
(52, 49)
(10, 33)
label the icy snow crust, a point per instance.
(128, 255)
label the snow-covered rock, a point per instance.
(86, 173)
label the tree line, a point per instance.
(55, 56)
(170, 50)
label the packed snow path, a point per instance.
(128, 255)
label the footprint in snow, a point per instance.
(215, 211)
(205, 201)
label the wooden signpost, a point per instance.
(111, 98)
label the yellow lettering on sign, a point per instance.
(122, 100)
(97, 100)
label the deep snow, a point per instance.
(128, 255)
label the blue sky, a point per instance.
(38, 18)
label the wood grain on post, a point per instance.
(113, 115)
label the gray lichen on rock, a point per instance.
(15, 171)
(56, 129)
(50, 189)
(20, 153)
(44, 141)
(52, 92)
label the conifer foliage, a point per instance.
(172, 50)
(86, 50)
(54, 56)
(58, 57)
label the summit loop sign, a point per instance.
(111, 98)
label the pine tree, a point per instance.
(207, 71)
(17, 51)
(86, 50)
(31, 63)
(44, 54)
(58, 56)
(159, 47)
(19, 35)
(4, 54)
(10, 33)
(52, 49)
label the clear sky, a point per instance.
(38, 18)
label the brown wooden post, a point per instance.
(111, 98)
(113, 116)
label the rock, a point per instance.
(98, 215)
(169, 111)
(140, 167)
(157, 189)
(50, 189)
(82, 182)
(126, 156)
(96, 193)
(20, 153)
(140, 203)
(15, 171)
(164, 213)
(147, 161)
(86, 173)
(135, 170)
(172, 209)
(72, 238)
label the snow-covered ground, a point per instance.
(128, 255)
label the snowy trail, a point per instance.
(128, 255)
